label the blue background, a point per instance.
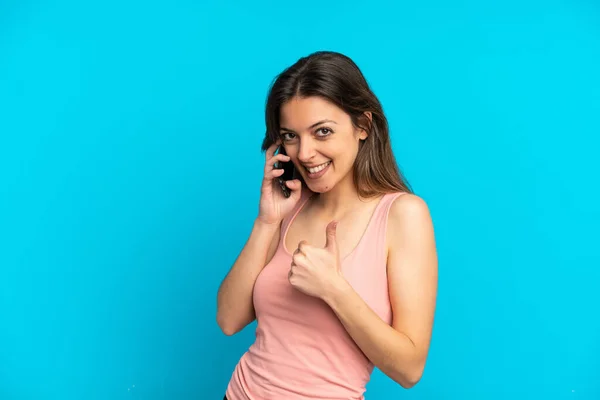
(130, 167)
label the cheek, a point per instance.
(344, 160)
(344, 163)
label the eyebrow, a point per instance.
(310, 127)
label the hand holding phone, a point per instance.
(280, 192)
(288, 173)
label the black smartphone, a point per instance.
(288, 173)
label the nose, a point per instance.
(306, 151)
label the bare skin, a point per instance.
(327, 229)
(235, 308)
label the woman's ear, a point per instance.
(365, 123)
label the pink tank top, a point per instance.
(302, 351)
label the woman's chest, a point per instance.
(275, 297)
(348, 234)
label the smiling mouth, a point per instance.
(318, 168)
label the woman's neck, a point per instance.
(338, 201)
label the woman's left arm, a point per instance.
(399, 350)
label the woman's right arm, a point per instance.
(235, 307)
(235, 304)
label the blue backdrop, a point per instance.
(130, 171)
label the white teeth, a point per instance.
(318, 168)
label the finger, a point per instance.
(330, 232)
(299, 251)
(271, 172)
(292, 270)
(271, 150)
(274, 174)
(299, 259)
(302, 246)
(296, 187)
(270, 164)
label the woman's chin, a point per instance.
(319, 188)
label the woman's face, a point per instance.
(321, 141)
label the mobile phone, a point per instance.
(288, 173)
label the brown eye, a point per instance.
(324, 132)
(285, 136)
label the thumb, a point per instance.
(330, 231)
(296, 188)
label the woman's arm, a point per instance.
(400, 350)
(235, 308)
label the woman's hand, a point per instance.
(274, 206)
(317, 271)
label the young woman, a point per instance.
(341, 271)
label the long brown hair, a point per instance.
(336, 78)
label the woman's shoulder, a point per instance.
(406, 210)
(404, 202)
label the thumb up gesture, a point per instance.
(317, 271)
